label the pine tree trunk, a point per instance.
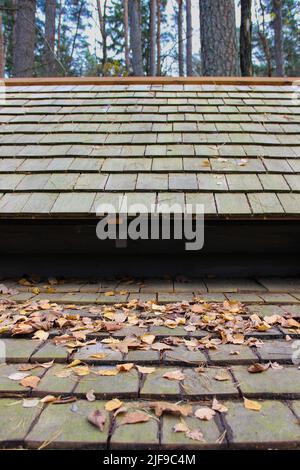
(2, 55)
(136, 37)
(218, 38)
(126, 28)
(102, 18)
(60, 15)
(180, 38)
(158, 45)
(246, 38)
(24, 41)
(278, 42)
(152, 37)
(49, 47)
(189, 34)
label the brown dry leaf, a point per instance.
(48, 399)
(113, 405)
(108, 372)
(90, 395)
(147, 338)
(145, 370)
(222, 376)
(160, 346)
(257, 368)
(161, 407)
(195, 434)
(125, 367)
(63, 400)
(252, 405)
(135, 417)
(205, 413)
(75, 363)
(174, 375)
(217, 406)
(32, 381)
(181, 427)
(97, 418)
(41, 335)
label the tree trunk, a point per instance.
(180, 38)
(2, 55)
(60, 15)
(136, 37)
(158, 45)
(24, 42)
(127, 61)
(246, 38)
(152, 67)
(189, 34)
(278, 42)
(218, 38)
(49, 47)
(264, 40)
(102, 18)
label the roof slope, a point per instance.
(235, 148)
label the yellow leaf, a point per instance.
(98, 356)
(109, 294)
(73, 364)
(148, 339)
(125, 367)
(251, 405)
(145, 370)
(41, 335)
(113, 405)
(35, 290)
(109, 372)
(81, 370)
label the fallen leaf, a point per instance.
(174, 375)
(97, 418)
(217, 406)
(145, 370)
(252, 405)
(63, 373)
(18, 376)
(147, 338)
(275, 366)
(135, 417)
(32, 381)
(257, 368)
(113, 405)
(63, 400)
(48, 399)
(160, 346)
(75, 363)
(41, 335)
(125, 367)
(222, 376)
(98, 356)
(108, 372)
(205, 413)
(195, 435)
(180, 427)
(90, 395)
(161, 407)
(30, 402)
(81, 370)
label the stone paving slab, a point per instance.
(48, 352)
(10, 387)
(277, 350)
(274, 427)
(52, 384)
(66, 426)
(155, 385)
(19, 350)
(226, 354)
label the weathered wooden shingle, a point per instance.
(235, 149)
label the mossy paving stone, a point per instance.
(85, 354)
(9, 386)
(273, 427)
(178, 440)
(202, 385)
(296, 407)
(223, 356)
(15, 421)
(66, 426)
(144, 357)
(276, 350)
(122, 385)
(138, 436)
(272, 333)
(265, 310)
(157, 387)
(50, 351)
(53, 385)
(165, 331)
(181, 355)
(19, 349)
(272, 383)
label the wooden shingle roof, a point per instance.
(66, 147)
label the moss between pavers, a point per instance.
(137, 436)
(178, 440)
(53, 385)
(156, 386)
(273, 427)
(10, 386)
(204, 385)
(15, 421)
(125, 384)
(19, 349)
(223, 355)
(270, 383)
(66, 426)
